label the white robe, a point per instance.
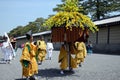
(49, 49)
(7, 51)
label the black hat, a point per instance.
(29, 34)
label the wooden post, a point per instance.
(68, 50)
(69, 56)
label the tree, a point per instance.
(16, 31)
(39, 23)
(98, 9)
(35, 26)
(60, 6)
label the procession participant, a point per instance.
(6, 50)
(80, 46)
(13, 42)
(63, 60)
(81, 52)
(41, 47)
(13, 45)
(49, 49)
(28, 61)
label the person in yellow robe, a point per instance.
(28, 61)
(80, 52)
(63, 60)
(41, 53)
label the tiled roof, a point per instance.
(108, 20)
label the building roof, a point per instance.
(36, 34)
(108, 20)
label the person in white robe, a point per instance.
(49, 49)
(7, 50)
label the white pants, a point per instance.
(49, 53)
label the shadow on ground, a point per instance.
(50, 73)
(53, 73)
(25, 79)
(21, 79)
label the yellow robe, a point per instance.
(41, 50)
(81, 52)
(63, 59)
(28, 55)
(73, 49)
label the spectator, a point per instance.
(89, 48)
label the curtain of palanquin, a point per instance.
(58, 34)
(73, 35)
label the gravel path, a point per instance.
(95, 67)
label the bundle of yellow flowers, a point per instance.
(70, 17)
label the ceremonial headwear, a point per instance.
(29, 34)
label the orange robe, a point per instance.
(63, 59)
(81, 52)
(41, 47)
(28, 61)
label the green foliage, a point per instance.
(35, 26)
(99, 9)
(70, 6)
(16, 31)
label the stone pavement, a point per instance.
(96, 67)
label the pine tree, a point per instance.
(101, 8)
